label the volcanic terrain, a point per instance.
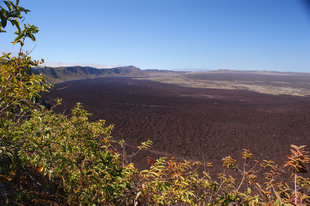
(191, 123)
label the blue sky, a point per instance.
(171, 34)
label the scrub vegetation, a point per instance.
(48, 158)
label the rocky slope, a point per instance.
(61, 74)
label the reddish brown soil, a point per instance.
(192, 123)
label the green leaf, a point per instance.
(18, 38)
(24, 10)
(16, 23)
(8, 5)
(3, 19)
(70, 148)
(32, 37)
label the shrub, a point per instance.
(71, 152)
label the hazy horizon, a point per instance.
(178, 69)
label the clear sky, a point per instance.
(171, 34)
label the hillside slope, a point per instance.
(61, 74)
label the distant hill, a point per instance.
(61, 74)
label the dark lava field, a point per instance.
(191, 123)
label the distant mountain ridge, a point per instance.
(61, 74)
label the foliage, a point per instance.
(172, 182)
(49, 158)
(75, 152)
(71, 152)
(12, 13)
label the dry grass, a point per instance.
(277, 87)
